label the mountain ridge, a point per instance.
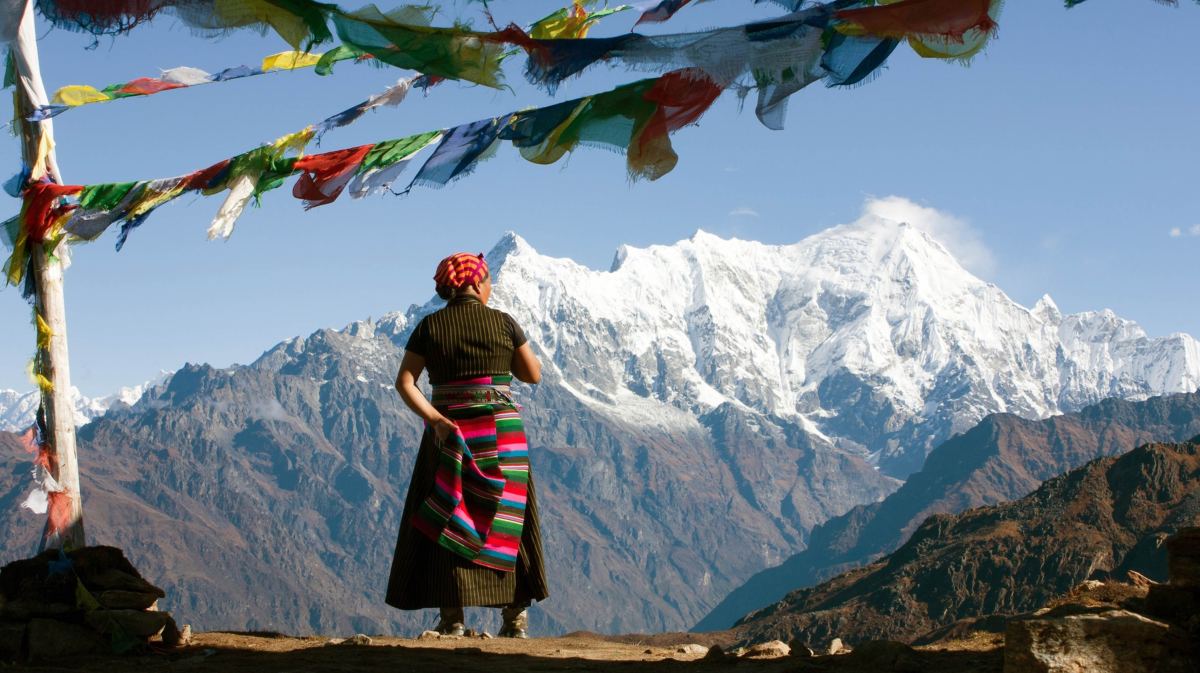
(1001, 459)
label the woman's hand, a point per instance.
(442, 428)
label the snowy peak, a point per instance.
(17, 409)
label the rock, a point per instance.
(51, 639)
(470, 633)
(429, 635)
(119, 599)
(1139, 580)
(715, 653)
(135, 623)
(110, 579)
(173, 636)
(772, 649)
(1183, 558)
(801, 649)
(25, 610)
(737, 652)
(1179, 605)
(1090, 585)
(485, 635)
(1116, 640)
(691, 648)
(836, 646)
(648, 651)
(356, 639)
(886, 655)
(12, 638)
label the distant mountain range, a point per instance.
(17, 409)
(1096, 522)
(1003, 458)
(704, 405)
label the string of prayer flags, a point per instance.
(178, 78)
(636, 119)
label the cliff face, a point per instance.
(1105, 518)
(1001, 459)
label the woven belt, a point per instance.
(450, 394)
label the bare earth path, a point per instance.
(241, 653)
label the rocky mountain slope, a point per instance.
(704, 405)
(1103, 519)
(1003, 458)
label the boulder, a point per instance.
(1115, 640)
(800, 648)
(119, 599)
(836, 646)
(429, 635)
(772, 649)
(12, 638)
(691, 648)
(1179, 605)
(49, 639)
(886, 655)
(715, 653)
(1183, 558)
(133, 623)
(111, 579)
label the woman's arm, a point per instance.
(525, 365)
(406, 384)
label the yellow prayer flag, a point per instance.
(290, 60)
(79, 94)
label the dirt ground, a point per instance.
(266, 653)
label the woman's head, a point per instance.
(463, 274)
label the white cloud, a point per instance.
(1193, 230)
(962, 240)
(1176, 232)
(744, 211)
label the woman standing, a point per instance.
(469, 533)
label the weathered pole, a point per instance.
(64, 525)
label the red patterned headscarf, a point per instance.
(460, 270)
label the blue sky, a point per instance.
(1066, 153)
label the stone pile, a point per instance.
(82, 602)
(1161, 637)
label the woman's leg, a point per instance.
(516, 620)
(451, 622)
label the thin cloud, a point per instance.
(959, 237)
(1193, 230)
(743, 211)
(1176, 232)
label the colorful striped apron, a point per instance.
(477, 508)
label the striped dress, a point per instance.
(464, 341)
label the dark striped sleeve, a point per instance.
(418, 341)
(518, 334)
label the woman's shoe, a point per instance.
(451, 622)
(516, 622)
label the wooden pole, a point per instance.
(37, 145)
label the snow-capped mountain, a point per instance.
(870, 336)
(17, 409)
